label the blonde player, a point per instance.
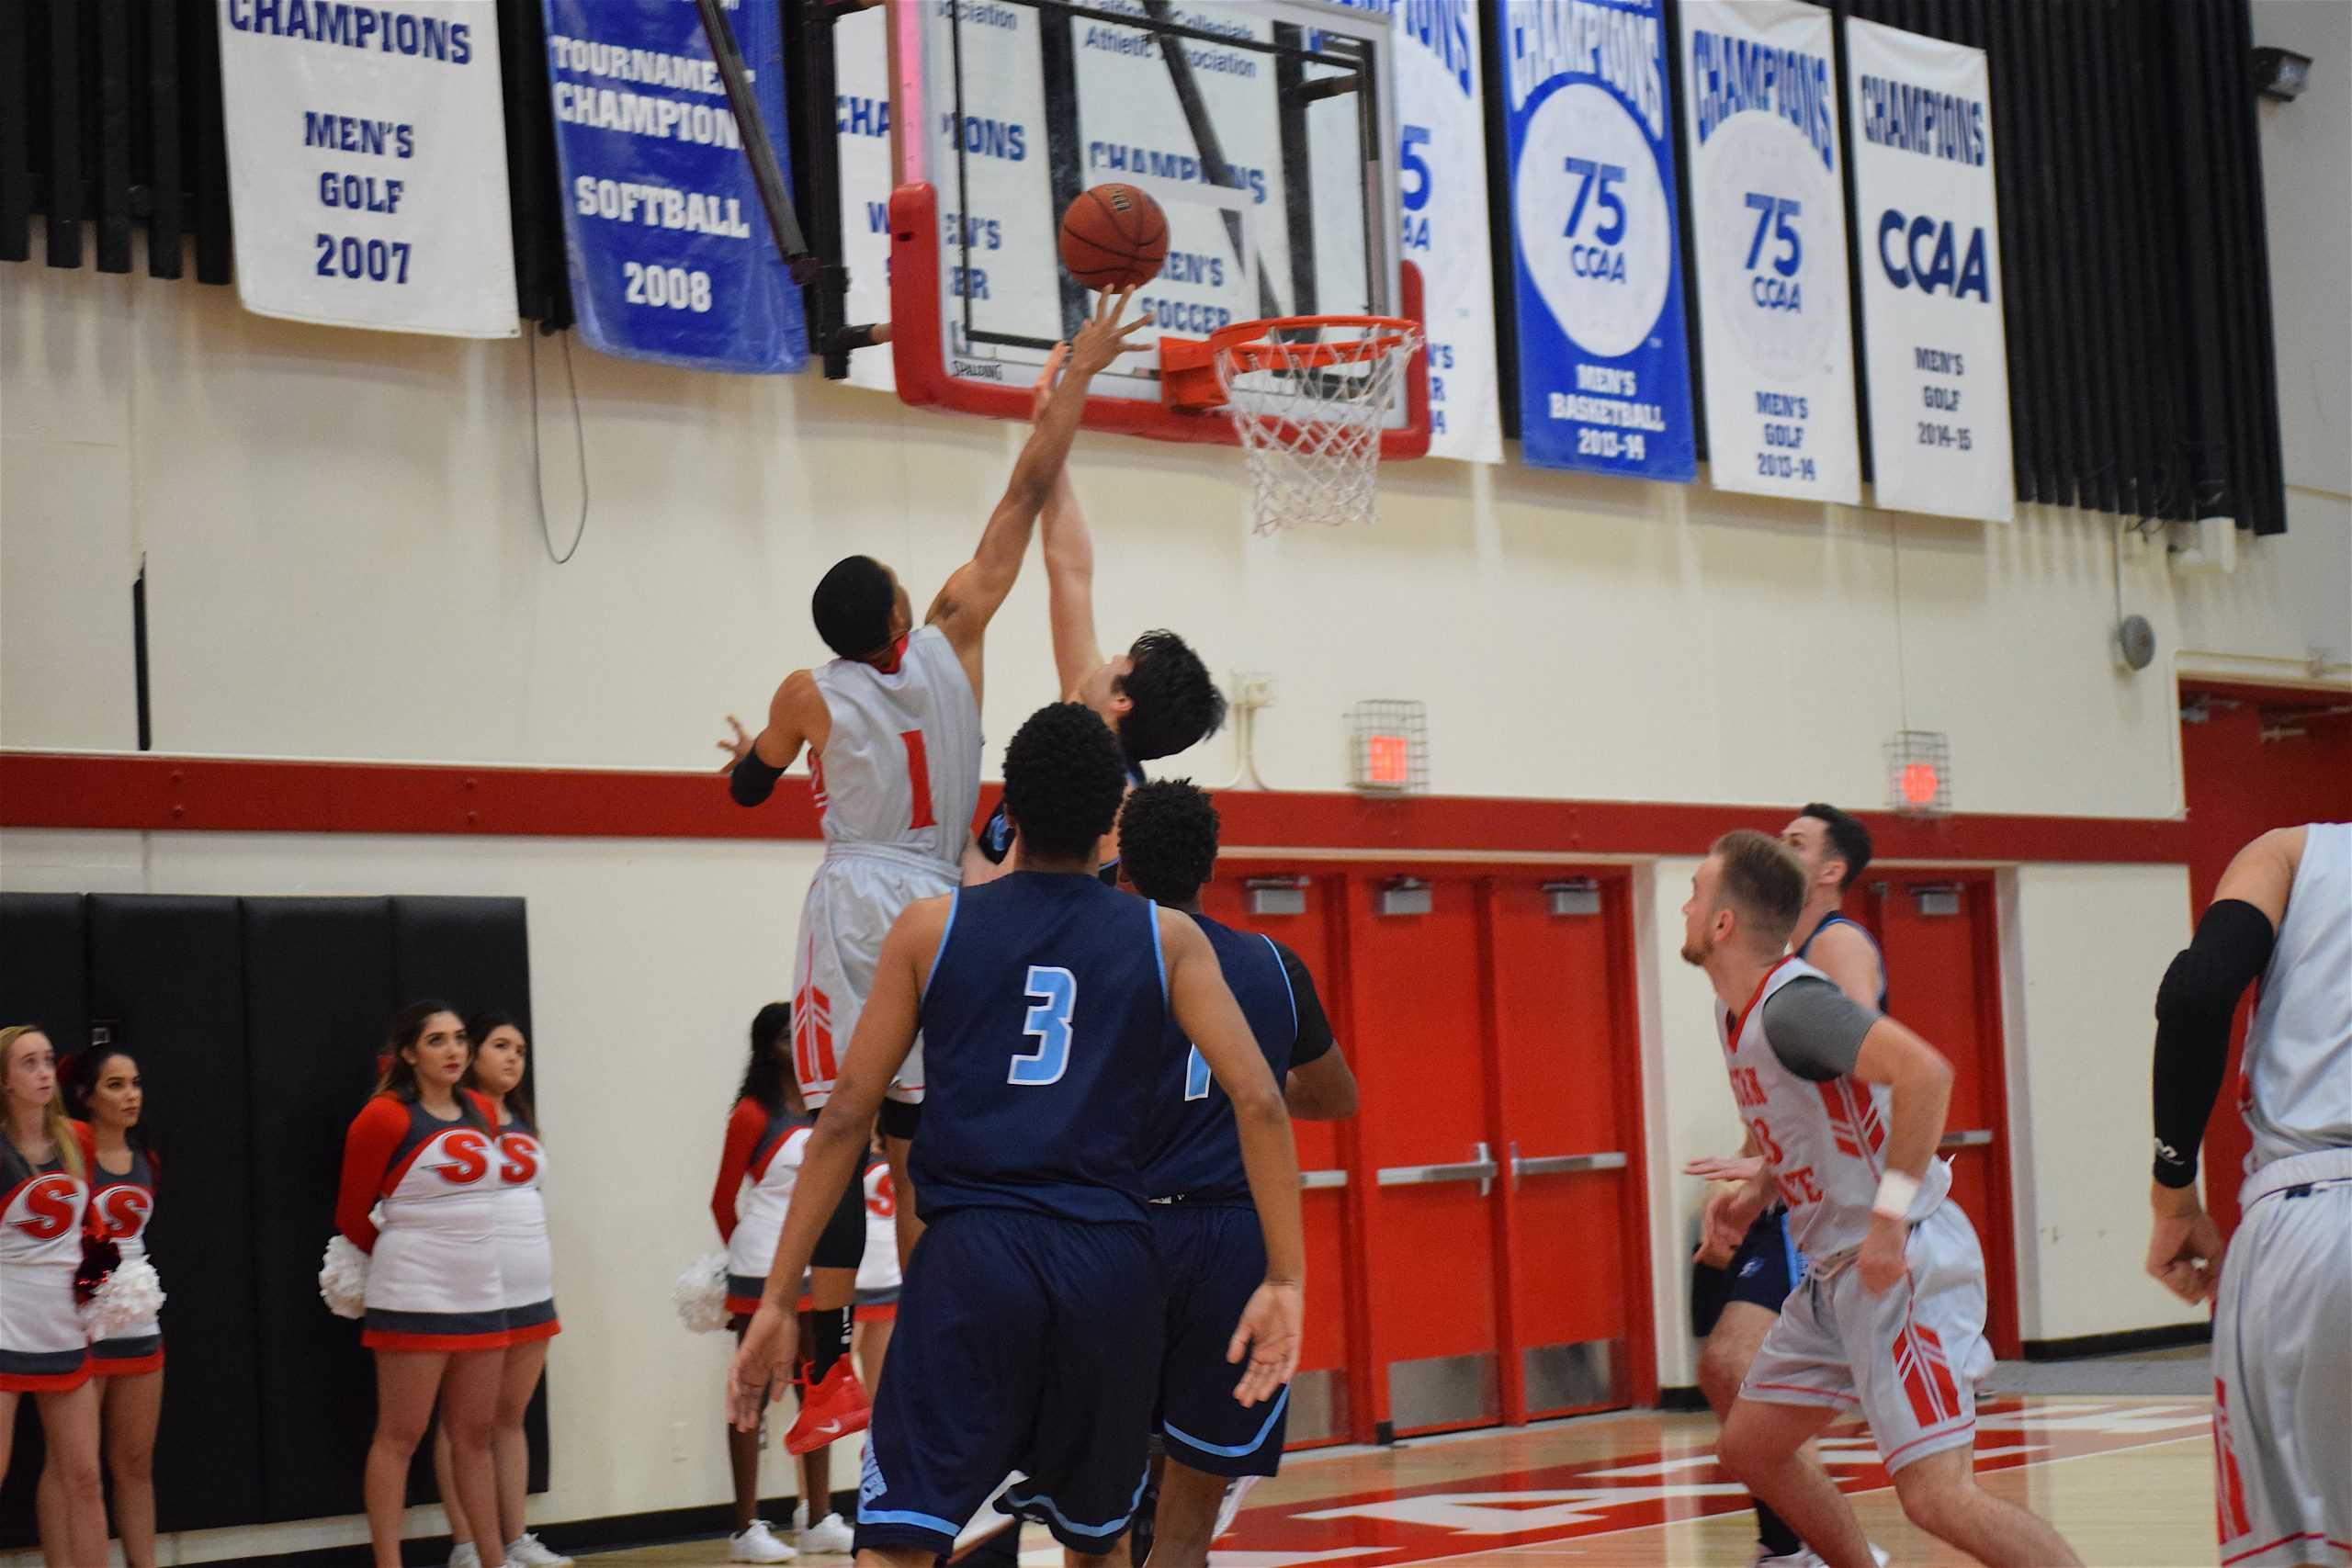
(2282, 1318)
(1845, 1106)
(892, 729)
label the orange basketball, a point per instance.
(1113, 236)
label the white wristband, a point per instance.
(1895, 1191)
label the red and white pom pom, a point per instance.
(701, 1294)
(131, 1294)
(343, 1278)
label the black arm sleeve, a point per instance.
(753, 780)
(1315, 1040)
(2195, 1003)
(1816, 1029)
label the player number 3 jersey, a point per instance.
(1825, 1136)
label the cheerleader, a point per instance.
(877, 1276)
(756, 1170)
(45, 1161)
(425, 1148)
(102, 1088)
(528, 1267)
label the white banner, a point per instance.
(1928, 230)
(1441, 163)
(368, 163)
(1767, 216)
(862, 118)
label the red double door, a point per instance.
(1477, 1234)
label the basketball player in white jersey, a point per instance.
(1744, 1231)
(892, 729)
(1845, 1106)
(2282, 1316)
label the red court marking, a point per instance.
(1494, 1512)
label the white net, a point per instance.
(1309, 400)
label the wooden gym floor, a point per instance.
(2128, 1481)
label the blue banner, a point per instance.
(1604, 374)
(671, 258)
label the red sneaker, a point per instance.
(834, 1408)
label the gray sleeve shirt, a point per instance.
(1816, 1029)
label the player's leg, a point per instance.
(1798, 1380)
(1084, 1462)
(870, 1340)
(900, 1120)
(1940, 1496)
(1919, 1351)
(1758, 1280)
(1213, 1258)
(1763, 1447)
(2282, 1378)
(966, 1367)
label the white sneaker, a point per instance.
(758, 1544)
(831, 1533)
(529, 1552)
(1806, 1557)
(465, 1556)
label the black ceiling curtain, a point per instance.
(111, 118)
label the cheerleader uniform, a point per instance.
(756, 1173)
(525, 1262)
(43, 1347)
(433, 1281)
(877, 1275)
(121, 1207)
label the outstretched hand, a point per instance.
(737, 747)
(1048, 380)
(1105, 336)
(1269, 1332)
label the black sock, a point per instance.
(1779, 1540)
(825, 1340)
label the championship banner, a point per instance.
(862, 118)
(1928, 230)
(670, 252)
(1441, 163)
(1604, 383)
(368, 163)
(1768, 218)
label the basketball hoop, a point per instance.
(1309, 396)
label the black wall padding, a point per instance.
(44, 976)
(318, 993)
(168, 975)
(111, 116)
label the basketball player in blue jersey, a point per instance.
(1207, 1238)
(1030, 1326)
(2282, 1315)
(1157, 695)
(1759, 1265)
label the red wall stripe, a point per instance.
(41, 789)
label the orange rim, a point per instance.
(1243, 345)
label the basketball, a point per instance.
(1113, 236)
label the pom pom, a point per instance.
(343, 1278)
(100, 1257)
(131, 1294)
(701, 1294)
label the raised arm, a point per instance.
(1069, 586)
(2195, 1005)
(974, 592)
(797, 717)
(829, 1163)
(1207, 1013)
